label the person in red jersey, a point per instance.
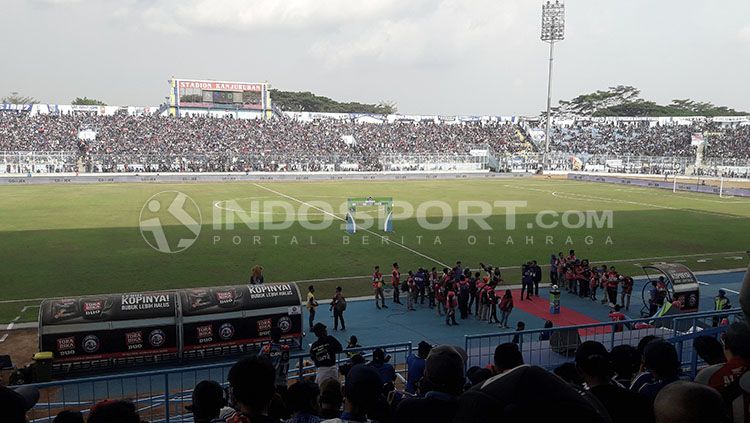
(396, 283)
(451, 303)
(617, 316)
(377, 286)
(731, 379)
(613, 279)
(627, 291)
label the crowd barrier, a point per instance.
(111, 178)
(550, 348)
(161, 395)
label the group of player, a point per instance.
(580, 278)
(451, 292)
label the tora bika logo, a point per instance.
(170, 221)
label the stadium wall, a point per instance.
(680, 185)
(110, 178)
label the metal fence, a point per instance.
(161, 395)
(550, 348)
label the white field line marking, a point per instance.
(15, 319)
(703, 283)
(731, 290)
(575, 196)
(3, 338)
(10, 326)
(344, 220)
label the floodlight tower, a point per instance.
(553, 29)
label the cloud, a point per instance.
(744, 34)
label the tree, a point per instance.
(624, 100)
(15, 98)
(85, 101)
(308, 102)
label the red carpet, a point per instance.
(539, 306)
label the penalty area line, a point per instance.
(382, 237)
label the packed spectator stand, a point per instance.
(153, 143)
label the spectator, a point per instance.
(68, 416)
(14, 403)
(380, 363)
(416, 365)
(323, 352)
(278, 353)
(688, 402)
(544, 335)
(507, 357)
(477, 375)
(331, 399)
(625, 363)
(302, 399)
(660, 359)
(208, 401)
(520, 327)
(252, 382)
(113, 411)
(442, 383)
(569, 373)
(709, 350)
(527, 394)
(731, 378)
(593, 363)
(362, 392)
(643, 376)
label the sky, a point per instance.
(447, 57)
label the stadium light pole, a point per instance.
(553, 29)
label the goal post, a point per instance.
(386, 203)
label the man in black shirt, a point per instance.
(323, 353)
(537, 277)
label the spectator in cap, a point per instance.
(14, 403)
(688, 402)
(362, 393)
(380, 363)
(594, 366)
(442, 383)
(507, 357)
(114, 411)
(208, 400)
(732, 379)
(527, 394)
(323, 353)
(661, 360)
(331, 399)
(416, 364)
(252, 383)
(302, 400)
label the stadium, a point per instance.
(238, 253)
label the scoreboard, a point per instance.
(210, 96)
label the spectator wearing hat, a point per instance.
(689, 402)
(442, 383)
(323, 353)
(527, 394)
(14, 403)
(114, 411)
(416, 365)
(252, 384)
(208, 401)
(594, 366)
(380, 363)
(302, 401)
(732, 379)
(362, 394)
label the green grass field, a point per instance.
(85, 239)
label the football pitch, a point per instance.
(86, 239)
